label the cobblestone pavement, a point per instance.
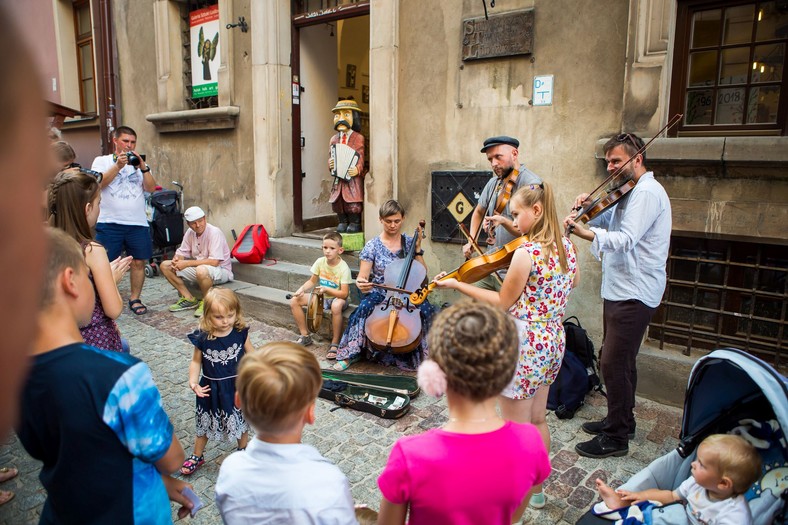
(358, 443)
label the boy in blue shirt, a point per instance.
(94, 418)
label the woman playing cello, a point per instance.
(377, 254)
(543, 271)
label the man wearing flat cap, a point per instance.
(347, 194)
(203, 258)
(503, 156)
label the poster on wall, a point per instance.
(204, 26)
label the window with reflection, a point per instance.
(729, 62)
(83, 32)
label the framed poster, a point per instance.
(350, 76)
(204, 31)
(365, 94)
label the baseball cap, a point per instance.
(501, 139)
(193, 213)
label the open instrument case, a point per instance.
(385, 396)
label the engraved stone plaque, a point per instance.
(502, 35)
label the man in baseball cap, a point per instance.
(203, 257)
(503, 155)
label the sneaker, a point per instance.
(184, 304)
(303, 340)
(595, 428)
(199, 310)
(601, 447)
(538, 501)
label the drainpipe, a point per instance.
(109, 101)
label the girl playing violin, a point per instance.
(377, 254)
(535, 290)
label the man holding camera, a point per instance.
(122, 221)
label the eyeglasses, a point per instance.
(97, 174)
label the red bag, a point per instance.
(251, 246)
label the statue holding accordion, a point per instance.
(346, 164)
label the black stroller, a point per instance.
(727, 388)
(165, 219)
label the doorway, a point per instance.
(330, 63)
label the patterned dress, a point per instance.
(538, 314)
(354, 340)
(101, 332)
(217, 417)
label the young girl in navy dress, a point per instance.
(478, 468)
(535, 290)
(219, 345)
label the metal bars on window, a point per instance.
(725, 293)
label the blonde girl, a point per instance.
(477, 468)
(219, 344)
(541, 275)
(73, 200)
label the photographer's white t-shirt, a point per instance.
(123, 200)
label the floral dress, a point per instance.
(101, 332)
(538, 314)
(217, 416)
(354, 340)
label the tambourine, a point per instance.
(314, 311)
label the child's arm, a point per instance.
(518, 513)
(104, 280)
(308, 285)
(172, 459)
(661, 496)
(248, 346)
(391, 513)
(194, 375)
(340, 293)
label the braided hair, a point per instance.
(67, 196)
(476, 346)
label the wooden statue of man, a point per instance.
(347, 192)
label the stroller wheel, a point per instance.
(155, 268)
(149, 272)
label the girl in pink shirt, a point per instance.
(477, 468)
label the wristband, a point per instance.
(146, 170)
(420, 252)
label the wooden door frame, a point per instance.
(298, 22)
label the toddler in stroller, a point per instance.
(729, 392)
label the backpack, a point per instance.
(251, 246)
(578, 374)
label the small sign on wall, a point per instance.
(543, 90)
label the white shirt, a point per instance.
(283, 484)
(634, 236)
(123, 200)
(703, 511)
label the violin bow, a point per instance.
(672, 122)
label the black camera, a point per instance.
(133, 159)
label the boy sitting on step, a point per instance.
(331, 277)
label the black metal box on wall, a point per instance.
(454, 196)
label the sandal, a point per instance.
(7, 473)
(344, 364)
(136, 306)
(332, 351)
(6, 496)
(191, 464)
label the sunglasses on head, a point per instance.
(97, 174)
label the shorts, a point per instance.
(327, 303)
(117, 238)
(218, 274)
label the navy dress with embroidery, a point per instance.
(217, 417)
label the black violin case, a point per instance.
(382, 395)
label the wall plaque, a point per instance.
(502, 35)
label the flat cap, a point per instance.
(497, 141)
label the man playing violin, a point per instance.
(631, 237)
(492, 211)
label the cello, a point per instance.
(395, 324)
(608, 193)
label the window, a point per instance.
(301, 7)
(84, 39)
(729, 67)
(191, 102)
(725, 293)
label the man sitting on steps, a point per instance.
(203, 257)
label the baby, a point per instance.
(724, 469)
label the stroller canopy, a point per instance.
(730, 383)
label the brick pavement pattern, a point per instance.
(358, 443)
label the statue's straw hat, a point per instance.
(346, 104)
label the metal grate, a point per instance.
(192, 103)
(725, 293)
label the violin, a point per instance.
(598, 201)
(503, 198)
(395, 325)
(474, 269)
(478, 250)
